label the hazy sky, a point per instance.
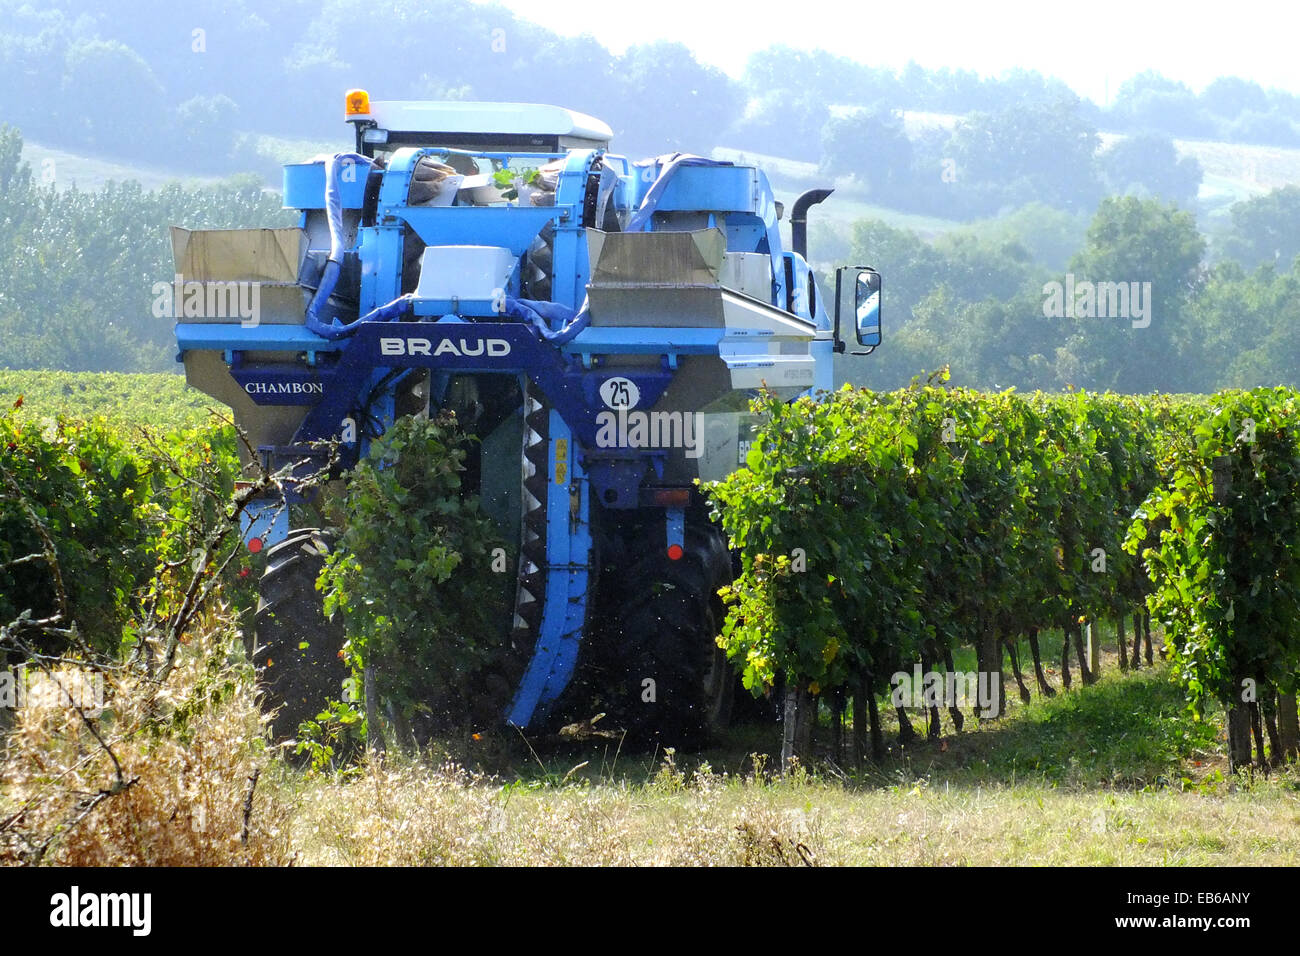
(1085, 43)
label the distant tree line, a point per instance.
(190, 87)
(992, 162)
(1194, 316)
(77, 268)
(77, 271)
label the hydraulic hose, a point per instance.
(541, 314)
(330, 275)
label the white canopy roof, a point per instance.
(530, 119)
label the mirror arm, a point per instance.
(840, 344)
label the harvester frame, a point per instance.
(660, 290)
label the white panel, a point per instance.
(464, 272)
(748, 272)
(503, 118)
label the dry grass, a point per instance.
(408, 814)
(1113, 774)
(190, 760)
(1031, 826)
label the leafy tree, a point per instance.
(1051, 236)
(205, 127)
(671, 101)
(1148, 164)
(15, 174)
(1265, 228)
(78, 268)
(33, 46)
(1157, 246)
(1270, 128)
(1247, 329)
(912, 264)
(817, 75)
(1035, 151)
(872, 146)
(955, 91)
(1231, 96)
(1019, 86)
(1151, 102)
(116, 95)
(782, 119)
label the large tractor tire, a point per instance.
(675, 684)
(720, 679)
(296, 650)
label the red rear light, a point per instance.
(670, 497)
(675, 552)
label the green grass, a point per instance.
(160, 400)
(1125, 732)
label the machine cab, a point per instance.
(387, 125)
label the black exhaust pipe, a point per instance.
(799, 219)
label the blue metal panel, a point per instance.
(462, 347)
(304, 186)
(616, 476)
(711, 189)
(570, 270)
(456, 307)
(375, 247)
(266, 519)
(385, 281)
(227, 336)
(823, 353)
(568, 557)
(644, 340)
(746, 235)
(458, 346)
(806, 293)
(513, 228)
(675, 527)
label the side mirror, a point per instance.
(857, 299)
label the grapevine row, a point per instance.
(880, 529)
